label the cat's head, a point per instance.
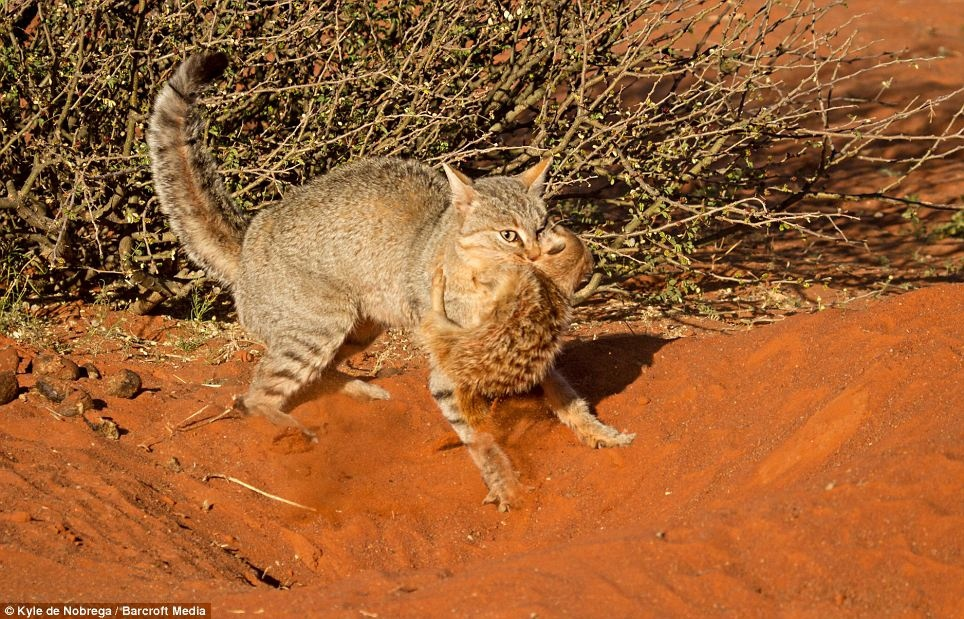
(501, 217)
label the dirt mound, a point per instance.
(810, 466)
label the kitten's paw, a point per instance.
(497, 472)
(361, 390)
(589, 429)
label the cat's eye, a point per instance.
(509, 236)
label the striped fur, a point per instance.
(352, 252)
(188, 186)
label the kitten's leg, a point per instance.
(496, 469)
(438, 291)
(574, 412)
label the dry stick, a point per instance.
(259, 491)
(186, 425)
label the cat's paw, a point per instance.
(597, 435)
(607, 436)
(503, 496)
(238, 406)
(275, 416)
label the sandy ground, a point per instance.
(813, 467)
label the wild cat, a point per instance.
(510, 345)
(343, 256)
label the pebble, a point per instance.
(55, 366)
(54, 389)
(124, 384)
(8, 386)
(77, 402)
(9, 359)
(107, 428)
(91, 370)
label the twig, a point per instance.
(186, 425)
(259, 491)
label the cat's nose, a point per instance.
(533, 251)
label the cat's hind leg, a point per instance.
(496, 469)
(332, 380)
(358, 340)
(294, 358)
(574, 413)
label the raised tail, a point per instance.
(186, 179)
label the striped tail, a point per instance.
(191, 192)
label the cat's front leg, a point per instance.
(574, 412)
(496, 468)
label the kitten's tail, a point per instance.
(190, 190)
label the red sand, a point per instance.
(814, 467)
(810, 467)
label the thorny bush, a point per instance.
(674, 125)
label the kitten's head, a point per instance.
(501, 217)
(565, 258)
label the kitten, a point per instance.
(345, 255)
(509, 346)
(511, 342)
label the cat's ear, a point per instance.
(462, 191)
(534, 179)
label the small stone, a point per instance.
(107, 428)
(174, 465)
(227, 542)
(9, 359)
(76, 403)
(8, 386)
(124, 384)
(91, 370)
(55, 366)
(54, 389)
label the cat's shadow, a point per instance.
(604, 366)
(596, 367)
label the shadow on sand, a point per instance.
(600, 367)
